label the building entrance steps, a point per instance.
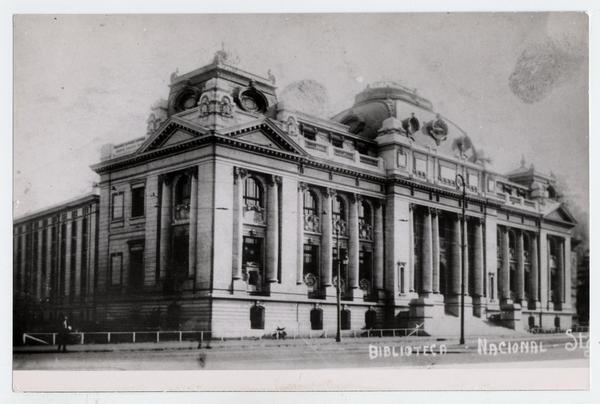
(449, 325)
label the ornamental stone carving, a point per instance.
(437, 129)
(365, 230)
(312, 223)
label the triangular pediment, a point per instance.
(178, 137)
(561, 214)
(172, 132)
(260, 138)
(266, 134)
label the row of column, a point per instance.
(430, 254)
(327, 233)
(43, 259)
(504, 269)
(272, 220)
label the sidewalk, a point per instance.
(323, 343)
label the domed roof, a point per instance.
(376, 103)
(390, 90)
(389, 104)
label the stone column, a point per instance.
(193, 223)
(478, 267)
(92, 252)
(239, 177)
(561, 270)
(411, 242)
(534, 275)
(353, 244)
(326, 238)
(567, 272)
(379, 253)
(165, 226)
(435, 246)
(272, 252)
(302, 188)
(520, 272)
(38, 265)
(78, 257)
(456, 258)
(504, 275)
(426, 252)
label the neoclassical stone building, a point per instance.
(235, 213)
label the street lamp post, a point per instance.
(338, 334)
(462, 257)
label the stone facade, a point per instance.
(237, 215)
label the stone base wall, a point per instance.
(231, 317)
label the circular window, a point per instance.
(249, 103)
(252, 100)
(189, 102)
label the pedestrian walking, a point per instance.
(63, 333)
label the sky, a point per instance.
(517, 83)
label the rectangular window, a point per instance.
(137, 201)
(311, 262)
(337, 141)
(63, 259)
(19, 261)
(252, 260)
(28, 261)
(34, 261)
(136, 266)
(44, 271)
(473, 180)
(117, 206)
(73, 258)
(361, 147)
(447, 173)
(402, 158)
(54, 261)
(420, 166)
(84, 256)
(116, 269)
(309, 133)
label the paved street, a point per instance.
(301, 354)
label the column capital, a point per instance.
(377, 203)
(166, 178)
(435, 212)
(302, 186)
(273, 180)
(192, 171)
(239, 173)
(355, 198)
(328, 192)
(478, 221)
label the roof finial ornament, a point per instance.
(174, 74)
(220, 55)
(271, 76)
(522, 161)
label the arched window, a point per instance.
(310, 203)
(311, 212)
(365, 221)
(339, 209)
(364, 213)
(253, 194)
(339, 216)
(183, 190)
